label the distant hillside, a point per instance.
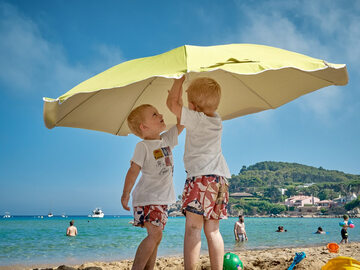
(265, 181)
(283, 174)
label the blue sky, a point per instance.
(48, 47)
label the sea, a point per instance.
(31, 240)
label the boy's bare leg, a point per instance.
(192, 240)
(215, 244)
(147, 250)
(151, 261)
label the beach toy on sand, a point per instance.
(343, 263)
(352, 226)
(333, 247)
(299, 256)
(232, 262)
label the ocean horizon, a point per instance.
(29, 240)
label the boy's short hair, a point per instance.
(205, 93)
(345, 217)
(135, 118)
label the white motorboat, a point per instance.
(50, 214)
(7, 215)
(97, 213)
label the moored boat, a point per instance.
(97, 213)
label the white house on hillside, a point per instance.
(351, 197)
(347, 199)
(301, 200)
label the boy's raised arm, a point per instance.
(130, 179)
(174, 100)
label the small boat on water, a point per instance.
(50, 214)
(7, 215)
(97, 213)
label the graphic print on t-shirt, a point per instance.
(158, 154)
(163, 159)
(166, 151)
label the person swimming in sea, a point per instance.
(320, 231)
(280, 229)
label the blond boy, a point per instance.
(154, 190)
(205, 195)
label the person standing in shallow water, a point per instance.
(344, 233)
(239, 230)
(71, 230)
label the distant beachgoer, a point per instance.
(344, 233)
(71, 230)
(239, 230)
(320, 231)
(280, 229)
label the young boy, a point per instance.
(205, 195)
(344, 233)
(155, 189)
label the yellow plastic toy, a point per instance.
(342, 263)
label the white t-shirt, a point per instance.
(203, 155)
(156, 161)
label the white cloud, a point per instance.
(30, 63)
(329, 31)
(338, 24)
(108, 56)
(323, 103)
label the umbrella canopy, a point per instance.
(252, 77)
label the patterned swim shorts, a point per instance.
(155, 214)
(206, 195)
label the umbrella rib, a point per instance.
(311, 74)
(254, 92)
(121, 125)
(77, 106)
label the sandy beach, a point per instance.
(279, 258)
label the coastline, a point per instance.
(256, 259)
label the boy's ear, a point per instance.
(142, 127)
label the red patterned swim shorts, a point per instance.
(155, 214)
(206, 195)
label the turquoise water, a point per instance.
(30, 240)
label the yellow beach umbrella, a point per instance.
(253, 78)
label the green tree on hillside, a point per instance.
(312, 190)
(277, 209)
(351, 205)
(273, 194)
(291, 191)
